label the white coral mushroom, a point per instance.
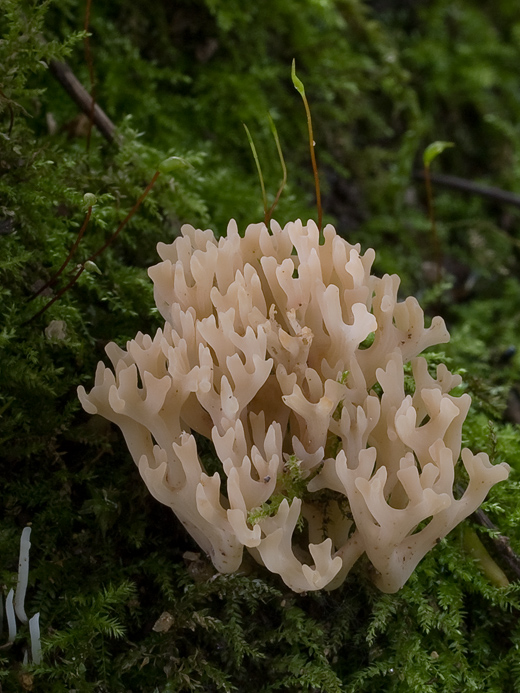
(265, 352)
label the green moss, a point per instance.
(177, 79)
(291, 484)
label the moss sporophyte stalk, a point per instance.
(303, 369)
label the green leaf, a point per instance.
(434, 149)
(173, 163)
(298, 84)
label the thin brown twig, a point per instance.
(11, 112)
(88, 57)
(11, 119)
(55, 276)
(312, 145)
(437, 250)
(298, 84)
(81, 268)
(58, 295)
(126, 219)
(467, 186)
(500, 542)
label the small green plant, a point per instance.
(291, 484)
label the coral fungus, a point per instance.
(283, 349)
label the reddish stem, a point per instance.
(88, 57)
(126, 219)
(437, 251)
(54, 278)
(112, 238)
(314, 164)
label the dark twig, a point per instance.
(437, 248)
(58, 295)
(468, 186)
(55, 276)
(80, 95)
(500, 542)
(11, 112)
(81, 268)
(88, 57)
(126, 219)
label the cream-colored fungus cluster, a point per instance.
(288, 354)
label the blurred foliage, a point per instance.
(385, 79)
